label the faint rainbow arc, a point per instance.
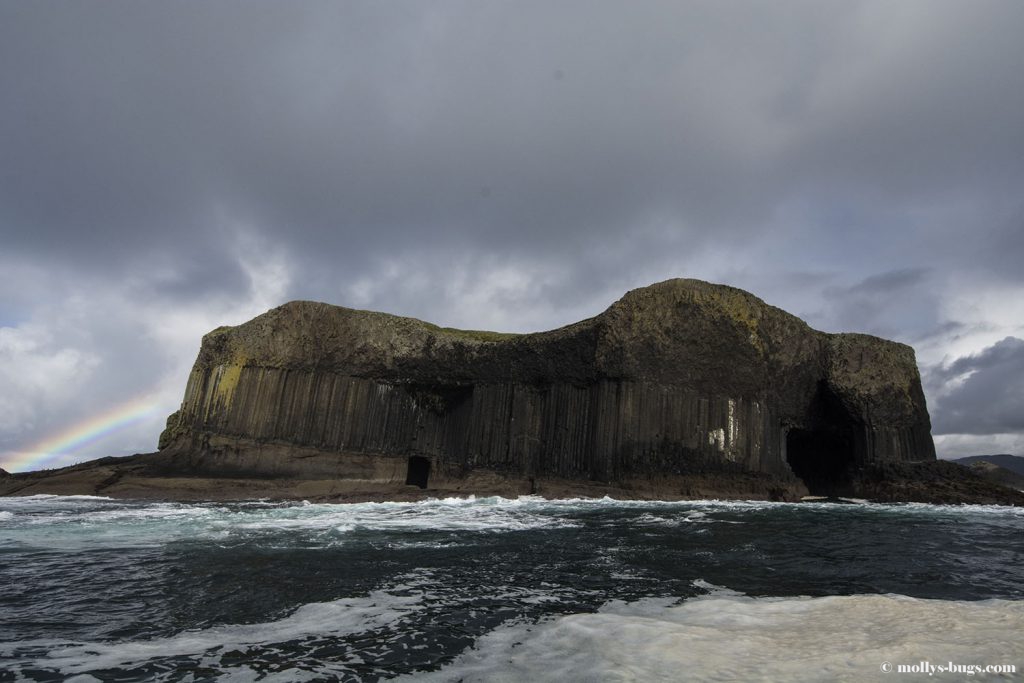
(83, 433)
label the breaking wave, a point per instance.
(722, 636)
(731, 637)
(483, 589)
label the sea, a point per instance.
(497, 589)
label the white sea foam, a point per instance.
(53, 497)
(674, 520)
(730, 637)
(156, 512)
(59, 521)
(311, 621)
(450, 514)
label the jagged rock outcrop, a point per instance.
(682, 378)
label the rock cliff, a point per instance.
(679, 379)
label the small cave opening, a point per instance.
(419, 472)
(822, 452)
(821, 458)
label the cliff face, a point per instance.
(679, 378)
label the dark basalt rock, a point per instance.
(939, 481)
(679, 378)
(683, 389)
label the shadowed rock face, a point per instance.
(679, 378)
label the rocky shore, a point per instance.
(152, 477)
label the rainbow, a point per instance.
(82, 434)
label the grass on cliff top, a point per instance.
(470, 335)
(473, 335)
(222, 329)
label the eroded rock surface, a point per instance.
(682, 377)
(680, 389)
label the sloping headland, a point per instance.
(683, 389)
(1013, 463)
(1007, 470)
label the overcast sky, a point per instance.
(168, 167)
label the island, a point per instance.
(683, 389)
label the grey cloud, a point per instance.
(345, 129)
(950, 329)
(890, 282)
(516, 165)
(991, 398)
(890, 304)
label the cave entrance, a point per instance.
(822, 458)
(822, 451)
(419, 472)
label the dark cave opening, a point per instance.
(419, 472)
(821, 458)
(439, 398)
(822, 452)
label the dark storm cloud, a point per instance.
(990, 399)
(350, 128)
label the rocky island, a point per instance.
(682, 389)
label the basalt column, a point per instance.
(681, 377)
